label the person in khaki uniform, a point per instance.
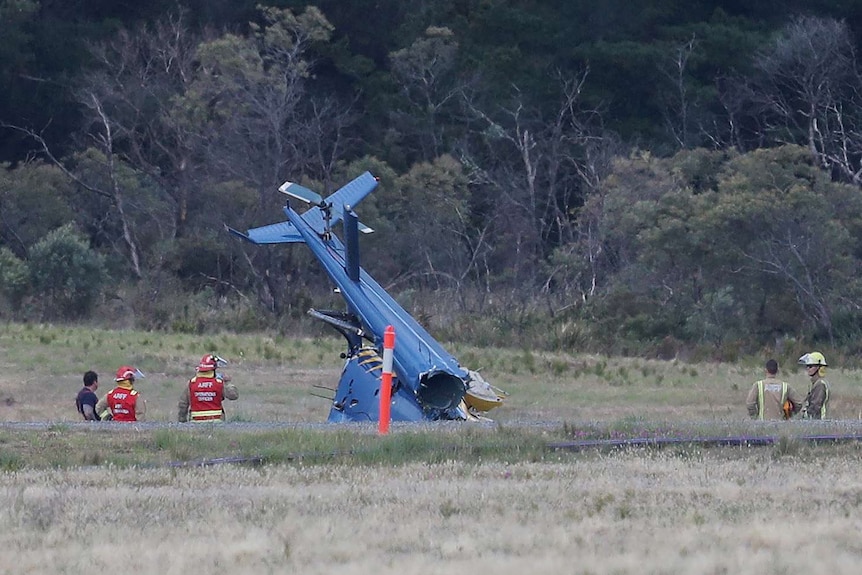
(771, 398)
(202, 398)
(818, 391)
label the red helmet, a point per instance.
(210, 362)
(128, 372)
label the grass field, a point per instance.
(119, 498)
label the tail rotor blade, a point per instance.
(301, 193)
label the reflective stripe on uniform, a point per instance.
(760, 397)
(207, 414)
(825, 401)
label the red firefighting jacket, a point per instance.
(205, 398)
(122, 402)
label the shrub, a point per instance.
(66, 273)
(14, 278)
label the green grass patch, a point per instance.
(198, 443)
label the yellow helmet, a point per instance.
(813, 358)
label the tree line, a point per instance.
(633, 180)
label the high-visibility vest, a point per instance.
(122, 402)
(760, 397)
(825, 399)
(205, 398)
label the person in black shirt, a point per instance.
(86, 400)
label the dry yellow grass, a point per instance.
(636, 512)
(741, 511)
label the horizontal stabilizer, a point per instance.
(280, 233)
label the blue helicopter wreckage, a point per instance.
(427, 383)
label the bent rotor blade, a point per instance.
(301, 193)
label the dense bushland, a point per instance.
(660, 182)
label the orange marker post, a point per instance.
(386, 379)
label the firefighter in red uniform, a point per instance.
(202, 398)
(124, 402)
